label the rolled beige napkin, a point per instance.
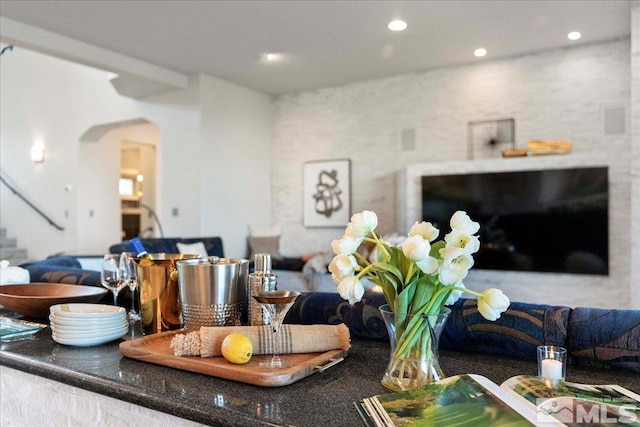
(293, 339)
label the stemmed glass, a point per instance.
(110, 275)
(275, 305)
(127, 269)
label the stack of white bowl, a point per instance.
(87, 324)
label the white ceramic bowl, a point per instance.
(88, 331)
(87, 311)
(77, 335)
(85, 323)
(87, 341)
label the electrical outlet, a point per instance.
(174, 212)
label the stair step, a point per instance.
(7, 242)
(13, 254)
(9, 249)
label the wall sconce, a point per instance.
(37, 153)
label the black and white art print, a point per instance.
(326, 194)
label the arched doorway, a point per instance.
(118, 194)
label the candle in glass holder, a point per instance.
(552, 362)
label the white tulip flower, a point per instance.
(455, 294)
(363, 223)
(416, 248)
(347, 245)
(424, 229)
(455, 266)
(341, 266)
(460, 221)
(351, 289)
(491, 303)
(428, 265)
(459, 239)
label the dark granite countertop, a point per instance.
(322, 399)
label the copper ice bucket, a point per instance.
(160, 308)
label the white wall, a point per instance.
(552, 95)
(235, 162)
(51, 99)
(635, 158)
(58, 100)
(98, 219)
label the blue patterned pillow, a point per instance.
(517, 332)
(363, 319)
(605, 338)
(61, 261)
(56, 271)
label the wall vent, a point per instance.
(408, 139)
(614, 119)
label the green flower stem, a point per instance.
(379, 243)
(364, 271)
(408, 337)
(447, 289)
(359, 256)
(407, 279)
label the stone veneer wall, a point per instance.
(30, 400)
(384, 126)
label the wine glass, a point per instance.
(127, 269)
(276, 304)
(110, 275)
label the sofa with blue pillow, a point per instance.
(599, 337)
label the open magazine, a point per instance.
(475, 401)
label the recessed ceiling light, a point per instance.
(397, 25)
(271, 57)
(480, 52)
(574, 35)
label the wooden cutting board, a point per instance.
(155, 349)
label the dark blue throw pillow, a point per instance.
(60, 261)
(605, 338)
(363, 319)
(517, 332)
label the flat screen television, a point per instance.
(554, 220)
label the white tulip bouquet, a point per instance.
(419, 277)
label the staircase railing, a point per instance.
(31, 205)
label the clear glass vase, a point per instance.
(414, 341)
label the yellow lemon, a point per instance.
(237, 348)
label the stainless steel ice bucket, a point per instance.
(160, 308)
(213, 291)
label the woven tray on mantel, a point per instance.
(155, 349)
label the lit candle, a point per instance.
(552, 369)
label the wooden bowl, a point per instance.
(34, 299)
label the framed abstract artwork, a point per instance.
(326, 193)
